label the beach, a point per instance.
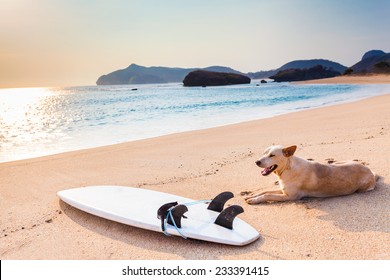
(199, 164)
(352, 79)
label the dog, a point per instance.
(300, 178)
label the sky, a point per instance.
(73, 42)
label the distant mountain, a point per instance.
(373, 53)
(262, 74)
(300, 64)
(136, 74)
(374, 61)
(222, 69)
(295, 74)
(305, 64)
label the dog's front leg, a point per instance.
(278, 195)
(266, 192)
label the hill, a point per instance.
(373, 53)
(372, 62)
(304, 64)
(294, 74)
(300, 64)
(136, 74)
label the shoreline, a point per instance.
(351, 79)
(368, 80)
(199, 164)
(86, 150)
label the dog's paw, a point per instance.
(253, 200)
(250, 201)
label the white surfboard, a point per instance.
(138, 207)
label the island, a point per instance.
(204, 78)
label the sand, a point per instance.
(34, 224)
(352, 79)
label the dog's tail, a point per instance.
(373, 184)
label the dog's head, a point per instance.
(275, 158)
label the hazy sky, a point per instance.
(73, 42)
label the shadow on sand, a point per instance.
(359, 212)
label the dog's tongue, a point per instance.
(266, 171)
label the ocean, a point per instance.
(42, 121)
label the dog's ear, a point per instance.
(289, 151)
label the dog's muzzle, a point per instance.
(268, 170)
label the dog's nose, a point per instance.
(258, 162)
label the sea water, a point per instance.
(43, 121)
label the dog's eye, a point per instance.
(271, 155)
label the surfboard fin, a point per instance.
(163, 211)
(226, 217)
(219, 201)
(177, 213)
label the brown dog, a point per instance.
(302, 178)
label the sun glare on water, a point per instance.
(26, 116)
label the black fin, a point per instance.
(163, 211)
(177, 213)
(219, 201)
(226, 218)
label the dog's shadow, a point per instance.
(359, 212)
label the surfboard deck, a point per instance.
(138, 207)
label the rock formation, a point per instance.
(211, 78)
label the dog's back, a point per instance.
(340, 178)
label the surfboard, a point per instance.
(163, 212)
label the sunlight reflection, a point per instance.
(27, 118)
